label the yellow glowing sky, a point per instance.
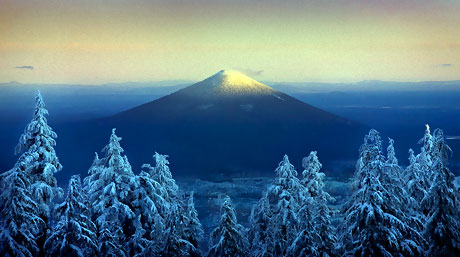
(96, 41)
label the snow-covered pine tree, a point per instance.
(168, 204)
(162, 175)
(95, 168)
(137, 243)
(393, 171)
(152, 210)
(420, 175)
(415, 181)
(110, 185)
(425, 158)
(228, 239)
(176, 243)
(261, 232)
(285, 199)
(39, 158)
(312, 177)
(75, 233)
(325, 231)
(427, 141)
(39, 161)
(442, 202)
(111, 238)
(393, 179)
(193, 229)
(20, 221)
(369, 152)
(163, 182)
(440, 151)
(391, 154)
(374, 223)
(176, 224)
(414, 185)
(304, 243)
(312, 183)
(316, 237)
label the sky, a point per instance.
(102, 41)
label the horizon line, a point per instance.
(195, 81)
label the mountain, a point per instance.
(226, 124)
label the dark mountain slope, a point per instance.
(227, 124)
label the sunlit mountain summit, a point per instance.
(230, 83)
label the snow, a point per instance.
(278, 97)
(230, 82)
(247, 107)
(205, 106)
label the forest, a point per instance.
(114, 211)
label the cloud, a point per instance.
(26, 67)
(250, 72)
(446, 65)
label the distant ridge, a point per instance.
(11, 83)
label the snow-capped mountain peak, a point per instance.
(232, 78)
(230, 82)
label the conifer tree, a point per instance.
(75, 233)
(137, 243)
(285, 199)
(326, 233)
(414, 185)
(193, 229)
(392, 180)
(39, 162)
(165, 184)
(304, 243)
(442, 202)
(20, 222)
(261, 232)
(177, 221)
(176, 242)
(39, 159)
(312, 183)
(393, 172)
(391, 155)
(151, 209)
(425, 158)
(164, 193)
(312, 177)
(162, 174)
(415, 181)
(375, 224)
(275, 220)
(110, 185)
(228, 239)
(420, 173)
(316, 237)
